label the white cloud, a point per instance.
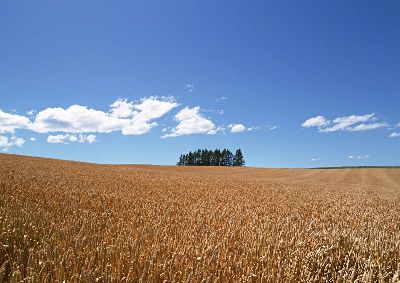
(346, 123)
(17, 141)
(394, 135)
(220, 98)
(313, 159)
(31, 112)
(359, 156)
(318, 121)
(148, 110)
(61, 138)
(367, 127)
(124, 116)
(128, 117)
(273, 128)
(190, 87)
(192, 122)
(9, 142)
(32, 139)
(76, 119)
(352, 123)
(89, 139)
(237, 128)
(67, 138)
(10, 122)
(121, 108)
(3, 141)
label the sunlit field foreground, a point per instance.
(78, 222)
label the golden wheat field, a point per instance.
(64, 221)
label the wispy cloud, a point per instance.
(359, 156)
(220, 98)
(367, 127)
(318, 121)
(190, 87)
(31, 112)
(352, 123)
(394, 135)
(68, 138)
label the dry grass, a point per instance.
(76, 222)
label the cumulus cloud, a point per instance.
(237, 128)
(130, 118)
(90, 139)
(190, 121)
(68, 138)
(394, 135)
(124, 116)
(352, 123)
(10, 122)
(32, 139)
(7, 142)
(144, 113)
(76, 119)
(121, 108)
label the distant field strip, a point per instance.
(64, 221)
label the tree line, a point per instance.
(217, 157)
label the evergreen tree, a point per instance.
(190, 158)
(217, 157)
(198, 160)
(226, 157)
(204, 157)
(238, 159)
(181, 160)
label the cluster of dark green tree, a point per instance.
(204, 157)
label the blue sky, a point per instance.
(291, 83)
